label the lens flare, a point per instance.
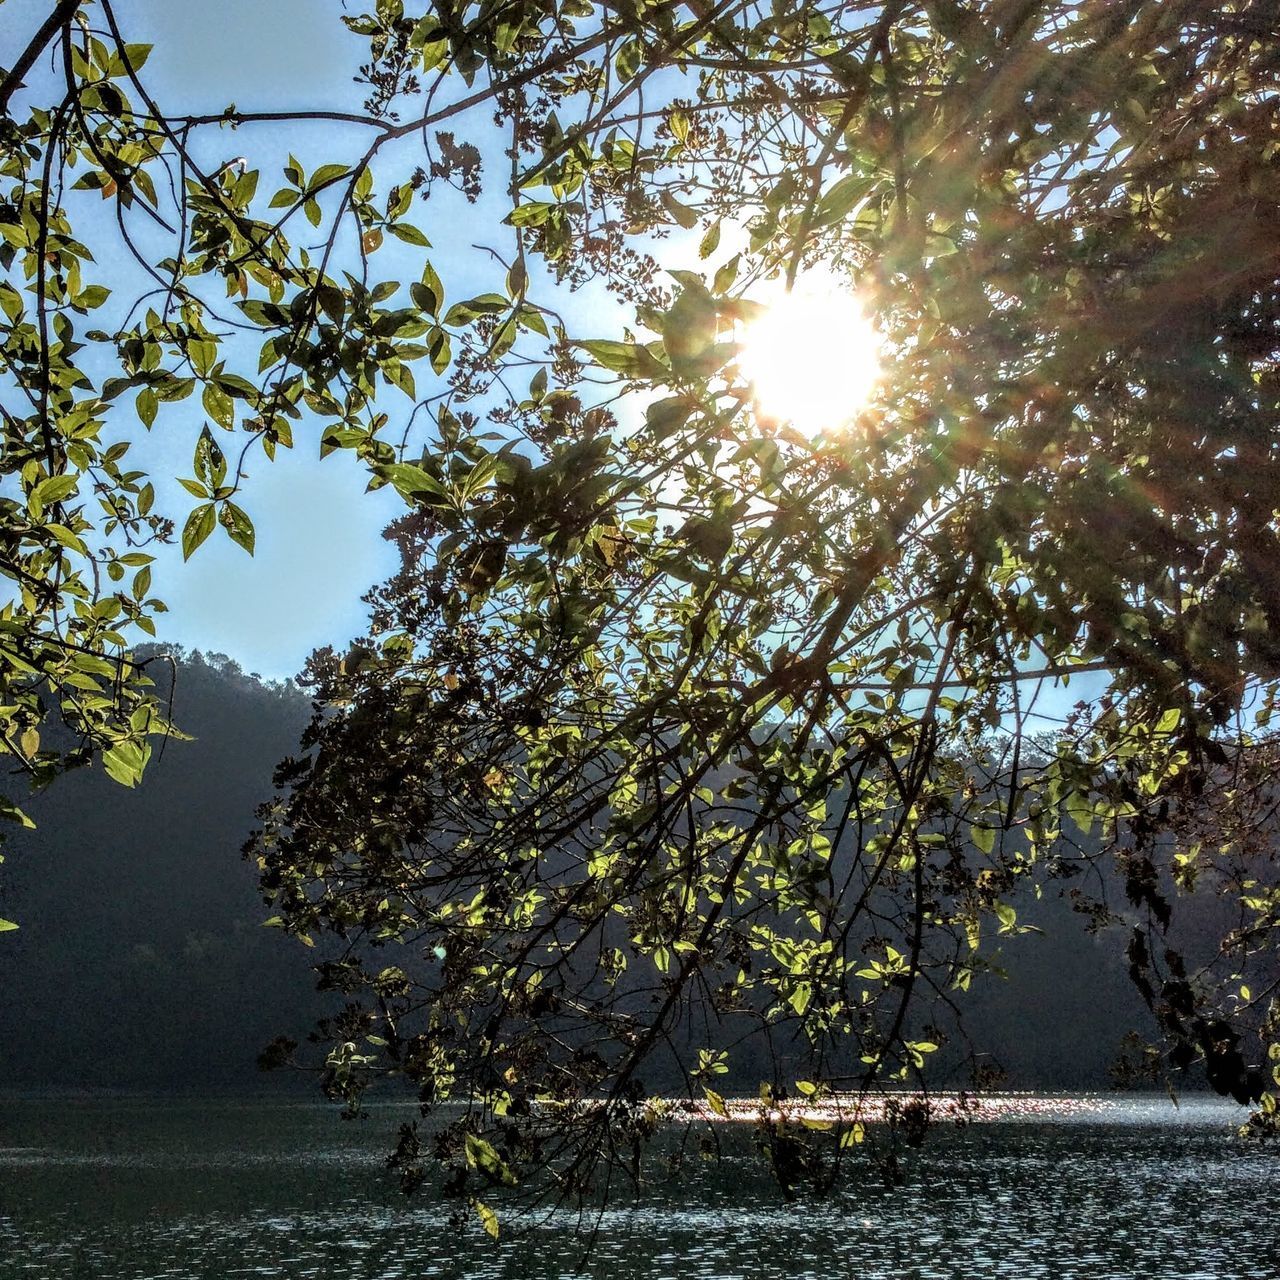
(812, 358)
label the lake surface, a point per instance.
(1107, 1189)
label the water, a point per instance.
(1116, 1190)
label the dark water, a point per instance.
(1119, 1190)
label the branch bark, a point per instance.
(62, 13)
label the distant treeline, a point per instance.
(142, 962)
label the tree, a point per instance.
(677, 730)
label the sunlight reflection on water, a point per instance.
(1104, 1191)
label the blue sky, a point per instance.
(319, 544)
(318, 533)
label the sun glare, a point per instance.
(812, 358)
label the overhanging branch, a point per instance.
(13, 81)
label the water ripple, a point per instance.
(1121, 1192)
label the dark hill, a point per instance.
(141, 962)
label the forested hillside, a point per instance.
(142, 962)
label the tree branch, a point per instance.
(13, 81)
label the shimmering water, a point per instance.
(1119, 1190)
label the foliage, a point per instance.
(690, 721)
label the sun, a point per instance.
(812, 358)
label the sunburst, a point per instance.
(812, 357)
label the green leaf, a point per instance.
(11, 813)
(482, 1157)
(629, 59)
(840, 198)
(332, 302)
(664, 417)
(64, 537)
(93, 296)
(488, 304)
(125, 761)
(726, 275)
(682, 213)
(416, 485)
(983, 837)
(210, 462)
(410, 234)
(238, 526)
(939, 246)
(439, 347)
(627, 358)
(504, 337)
(218, 405)
(488, 1219)
(425, 298)
(55, 489)
(200, 524)
(327, 174)
(136, 55)
(431, 282)
(145, 406)
(530, 317)
(532, 213)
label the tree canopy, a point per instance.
(679, 726)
